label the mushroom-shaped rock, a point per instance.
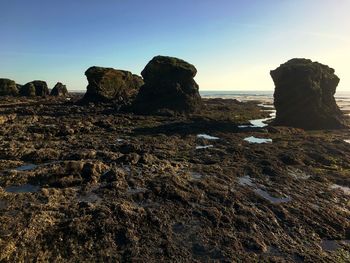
(35, 88)
(111, 85)
(8, 87)
(59, 90)
(304, 95)
(169, 85)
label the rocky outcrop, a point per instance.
(27, 90)
(304, 95)
(59, 90)
(35, 88)
(8, 87)
(169, 85)
(111, 85)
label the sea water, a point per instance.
(266, 97)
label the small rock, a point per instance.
(59, 90)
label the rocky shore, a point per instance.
(144, 169)
(81, 183)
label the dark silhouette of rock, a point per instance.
(35, 88)
(59, 90)
(27, 90)
(304, 95)
(8, 87)
(19, 86)
(169, 85)
(111, 85)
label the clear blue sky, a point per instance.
(232, 43)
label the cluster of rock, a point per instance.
(167, 84)
(31, 89)
(303, 98)
(304, 95)
(111, 85)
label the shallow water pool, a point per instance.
(26, 188)
(253, 139)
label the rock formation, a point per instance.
(8, 87)
(35, 88)
(304, 95)
(169, 85)
(111, 85)
(59, 90)
(27, 90)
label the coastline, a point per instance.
(212, 185)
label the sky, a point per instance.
(233, 43)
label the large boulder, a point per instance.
(111, 85)
(304, 95)
(169, 85)
(27, 90)
(35, 88)
(59, 90)
(8, 87)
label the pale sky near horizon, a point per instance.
(233, 44)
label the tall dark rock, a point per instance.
(169, 85)
(304, 95)
(59, 90)
(8, 87)
(111, 85)
(35, 88)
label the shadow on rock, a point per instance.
(189, 127)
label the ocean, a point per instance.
(266, 97)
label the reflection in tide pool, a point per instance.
(196, 176)
(253, 139)
(89, 198)
(272, 199)
(333, 245)
(204, 147)
(245, 180)
(26, 188)
(27, 167)
(207, 137)
(248, 181)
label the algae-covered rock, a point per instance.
(169, 85)
(108, 84)
(8, 87)
(27, 90)
(59, 90)
(35, 88)
(304, 95)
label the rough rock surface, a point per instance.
(8, 87)
(169, 85)
(35, 88)
(108, 84)
(59, 90)
(86, 184)
(27, 90)
(304, 95)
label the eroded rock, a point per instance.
(108, 84)
(35, 88)
(304, 95)
(59, 90)
(8, 87)
(169, 85)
